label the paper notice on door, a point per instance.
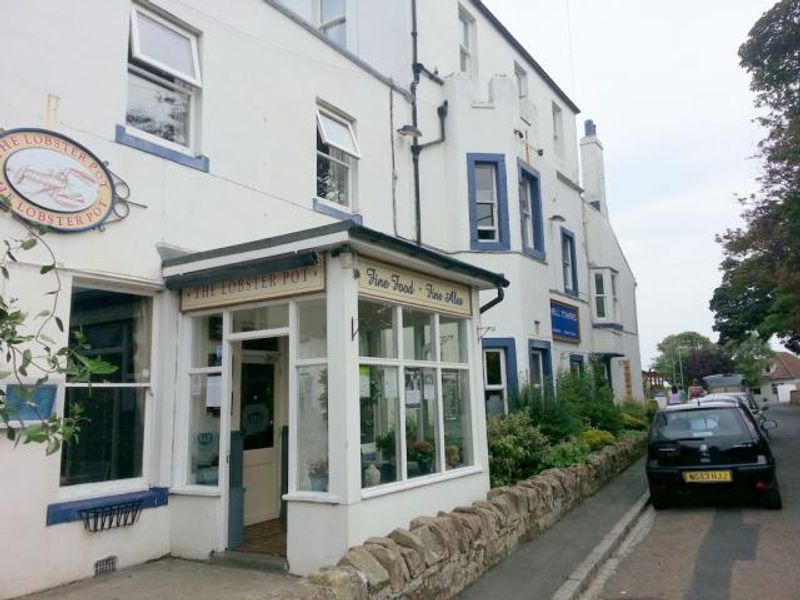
(363, 382)
(214, 391)
(197, 385)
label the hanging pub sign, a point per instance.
(51, 180)
(408, 287)
(565, 322)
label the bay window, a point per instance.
(415, 401)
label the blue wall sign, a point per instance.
(565, 322)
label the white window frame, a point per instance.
(558, 130)
(132, 484)
(521, 78)
(138, 54)
(193, 93)
(466, 24)
(614, 297)
(400, 363)
(539, 361)
(600, 296)
(495, 227)
(566, 263)
(324, 26)
(351, 166)
(503, 385)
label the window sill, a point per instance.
(124, 137)
(608, 325)
(208, 491)
(67, 512)
(337, 211)
(86, 491)
(537, 255)
(409, 484)
(571, 293)
(312, 497)
(489, 246)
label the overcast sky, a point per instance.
(674, 112)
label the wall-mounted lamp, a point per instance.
(540, 151)
(557, 219)
(409, 131)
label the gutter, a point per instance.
(494, 301)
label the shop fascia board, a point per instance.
(360, 239)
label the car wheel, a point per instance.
(659, 501)
(772, 499)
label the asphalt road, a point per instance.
(723, 551)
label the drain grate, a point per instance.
(104, 566)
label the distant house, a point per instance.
(782, 378)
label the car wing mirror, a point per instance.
(769, 425)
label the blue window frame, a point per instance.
(488, 202)
(499, 386)
(569, 262)
(540, 373)
(530, 212)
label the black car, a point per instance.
(710, 447)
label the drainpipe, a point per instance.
(494, 301)
(416, 148)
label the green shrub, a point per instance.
(565, 454)
(515, 448)
(601, 414)
(632, 422)
(597, 438)
(557, 420)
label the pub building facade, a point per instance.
(307, 336)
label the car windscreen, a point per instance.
(699, 423)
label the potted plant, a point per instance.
(387, 446)
(318, 474)
(452, 456)
(423, 451)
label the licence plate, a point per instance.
(707, 476)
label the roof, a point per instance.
(502, 30)
(287, 249)
(785, 365)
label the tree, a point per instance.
(673, 351)
(31, 357)
(760, 289)
(706, 361)
(751, 357)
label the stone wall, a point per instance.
(437, 557)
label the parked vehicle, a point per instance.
(745, 400)
(710, 447)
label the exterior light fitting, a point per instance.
(409, 131)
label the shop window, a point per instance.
(312, 393)
(377, 335)
(495, 384)
(205, 400)
(379, 400)
(431, 429)
(488, 202)
(164, 79)
(332, 20)
(456, 413)
(116, 328)
(417, 335)
(569, 267)
(337, 159)
(530, 205)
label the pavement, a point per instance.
(175, 579)
(541, 568)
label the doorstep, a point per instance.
(255, 561)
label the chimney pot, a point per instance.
(590, 129)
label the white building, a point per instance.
(782, 378)
(297, 331)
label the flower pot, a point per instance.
(319, 482)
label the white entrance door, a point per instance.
(261, 416)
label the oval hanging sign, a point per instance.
(49, 179)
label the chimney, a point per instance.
(592, 167)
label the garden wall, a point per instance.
(439, 556)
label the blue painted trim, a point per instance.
(614, 326)
(499, 161)
(510, 347)
(201, 163)
(341, 214)
(547, 355)
(536, 249)
(66, 512)
(566, 233)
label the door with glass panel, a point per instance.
(259, 412)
